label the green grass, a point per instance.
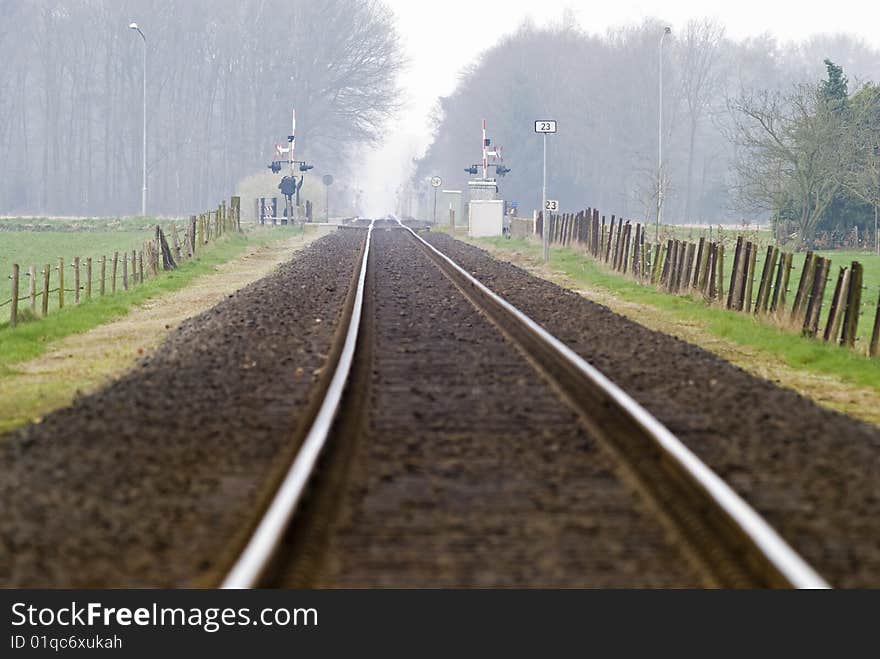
(42, 241)
(839, 258)
(30, 339)
(743, 329)
(763, 239)
(37, 224)
(724, 233)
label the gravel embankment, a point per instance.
(146, 482)
(813, 473)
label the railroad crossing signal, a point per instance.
(496, 153)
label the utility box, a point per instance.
(485, 218)
(482, 189)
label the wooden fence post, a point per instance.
(47, 271)
(618, 246)
(113, 272)
(32, 289)
(664, 272)
(13, 316)
(875, 335)
(832, 326)
(101, 288)
(656, 262)
(774, 299)
(698, 270)
(60, 282)
(175, 239)
(125, 271)
(735, 270)
(763, 298)
(853, 306)
(637, 252)
(610, 239)
(168, 262)
(141, 267)
(680, 250)
(709, 285)
(668, 275)
(88, 277)
(689, 268)
(786, 277)
(76, 280)
(803, 286)
(751, 254)
(236, 212)
(817, 293)
(719, 257)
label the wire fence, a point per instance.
(125, 270)
(683, 267)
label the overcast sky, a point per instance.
(442, 37)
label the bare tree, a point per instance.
(223, 76)
(789, 154)
(863, 173)
(700, 75)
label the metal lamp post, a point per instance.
(134, 26)
(666, 31)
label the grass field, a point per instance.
(40, 241)
(30, 338)
(743, 329)
(839, 258)
(762, 238)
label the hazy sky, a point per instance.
(443, 36)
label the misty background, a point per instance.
(222, 76)
(604, 92)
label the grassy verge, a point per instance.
(31, 339)
(795, 350)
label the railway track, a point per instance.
(363, 500)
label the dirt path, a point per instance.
(827, 390)
(83, 363)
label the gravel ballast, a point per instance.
(149, 481)
(813, 473)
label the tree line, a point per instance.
(222, 77)
(604, 90)
(810, 156)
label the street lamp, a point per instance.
(666, 31)
(134, 26)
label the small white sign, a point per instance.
(436, 181)
(551, 205)
(545, 126)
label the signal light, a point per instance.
(275, 167)
(471, 170)
(304, 167)
(501, 170)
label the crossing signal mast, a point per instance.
(496, 153)
(289, 186)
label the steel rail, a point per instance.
(263, 543)
(792, 568)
